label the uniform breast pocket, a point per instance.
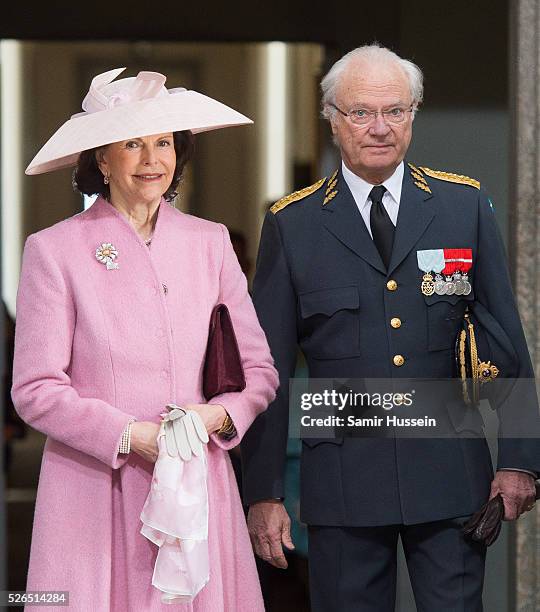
(330, 326)
(445, 314)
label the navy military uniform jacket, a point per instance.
(321, 284)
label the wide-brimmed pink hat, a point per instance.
(130, 108)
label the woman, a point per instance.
(112, 324)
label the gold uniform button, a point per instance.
(391, 285)
(398, 360)
(395, 322)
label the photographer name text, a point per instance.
(391, 420)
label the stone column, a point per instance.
(524, 248)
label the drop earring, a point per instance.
(106, 179)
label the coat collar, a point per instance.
(416, 212)
(343, 219)
(103, 210)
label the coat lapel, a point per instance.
(342, 218)
(415, 214)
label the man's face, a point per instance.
(375, 150)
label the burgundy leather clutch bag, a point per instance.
(222, 371)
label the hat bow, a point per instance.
(102, 95)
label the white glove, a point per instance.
(184, 431)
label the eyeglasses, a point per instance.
(361, 116)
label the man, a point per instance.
(341, 273)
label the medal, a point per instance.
(106, 253)
(467, 285)
(428, 286)
(449, 286)
(460, 285)
(466, 265)
(428, 261)
(439, 285)
(456, 262)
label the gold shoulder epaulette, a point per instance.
(295, 196)
(450, 176)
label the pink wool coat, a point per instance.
(95, 348)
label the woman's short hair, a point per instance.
(88, 178)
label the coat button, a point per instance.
(395, 322)
(398, 360)
(164, 374)
(391, 285)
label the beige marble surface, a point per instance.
(524, 248)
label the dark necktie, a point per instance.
(382, 227)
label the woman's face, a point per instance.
(140, 170)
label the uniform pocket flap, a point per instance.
(329, 301)
(313, 442)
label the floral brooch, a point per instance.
(106, 253)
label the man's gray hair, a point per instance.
(371, 54)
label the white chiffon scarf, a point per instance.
(175, 518)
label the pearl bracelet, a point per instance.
(125, 441)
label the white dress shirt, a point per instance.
(360, 190)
